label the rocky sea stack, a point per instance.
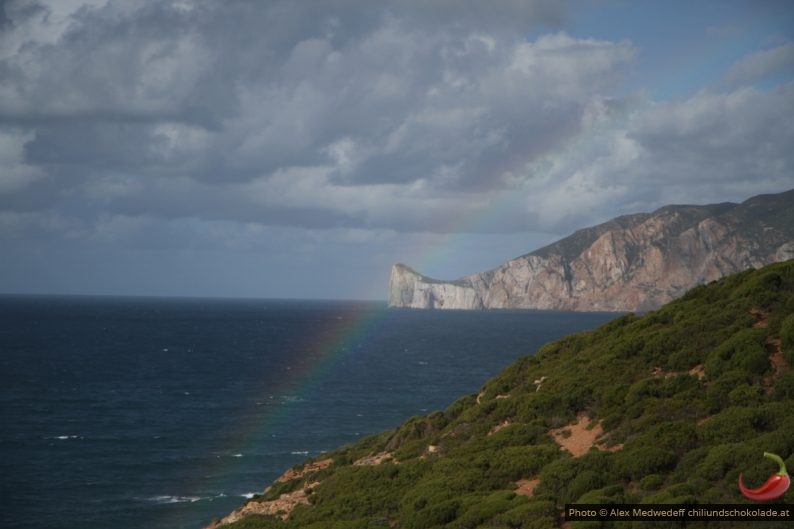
(630, 263)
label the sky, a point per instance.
(299, 148)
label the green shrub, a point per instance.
(718, 391)
(745, 394)
(787, 339)
(784, 388)
(514, 463)
(652, 482)
(481, 508)
(638, 463)
(556, 477)
(723, 460)
(433, 514)
(531, 515)
(743, 351)
(611, 495)
(584, 482)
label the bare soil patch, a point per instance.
(375, 459)
(761, 318)
(526, 486)
(500, 426)
(776, 360)
(580, 436)
(699, 371)
(282, 507)
(305, 470)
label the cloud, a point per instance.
(710, 147)
(403, 116)
(16, 174)
(761, 64)
(408, 117)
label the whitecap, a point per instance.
(64, 437)
(300, 452)
(248, 495)
(237, 455)
(174, 499)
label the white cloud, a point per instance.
(707, 148)
(760, 64)
(83, 59)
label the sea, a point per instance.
(131, 413)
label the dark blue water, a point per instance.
(162, 413)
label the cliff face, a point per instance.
(634, 262)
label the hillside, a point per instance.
(669, 407)
(630, 263)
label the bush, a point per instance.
(481, 508)
(787, 339)
(743, 351)
(745, 394)
(532, 515)
(638, 463)
(718, 391)
(652, 482)
(724, 460)
(732, 425)
(584, 482)
(784, 388)
(514, 463)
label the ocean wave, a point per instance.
(63, 437)
(299, 452)
(164, 499)
(175, 499)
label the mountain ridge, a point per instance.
(629, 263)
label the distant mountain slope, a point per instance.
(633, 262)
(666, 408)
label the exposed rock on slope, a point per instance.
(633, 262)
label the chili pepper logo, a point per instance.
(774, 487)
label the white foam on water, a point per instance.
(300, 452)
(165, 499)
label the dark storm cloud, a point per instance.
(271, 84)
(403, 115)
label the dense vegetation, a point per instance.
(688, 396)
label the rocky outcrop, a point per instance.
(408, 288)
(631, 263)
(282, 506)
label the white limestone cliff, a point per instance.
(631, 263)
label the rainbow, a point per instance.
(326, 348)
